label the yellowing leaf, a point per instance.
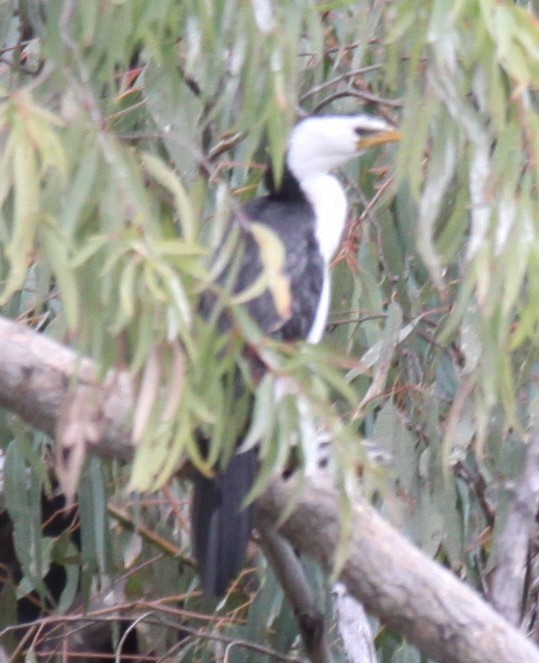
(167, 178)
(273, 256)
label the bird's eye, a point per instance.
(366, 131)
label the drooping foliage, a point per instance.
(129, 130)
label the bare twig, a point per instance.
(359, 94)
(338, 79)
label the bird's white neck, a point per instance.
(326, 195)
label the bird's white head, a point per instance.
(317, 145)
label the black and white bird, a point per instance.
(307, 210)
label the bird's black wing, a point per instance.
(294, 223)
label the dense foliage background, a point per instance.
(128, 130)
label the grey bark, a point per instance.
(354, 628)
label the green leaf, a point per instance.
(57, 248)
(93, 516)
(168, 179)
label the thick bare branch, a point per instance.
(38, 378)
(408, 591)
(411, 593)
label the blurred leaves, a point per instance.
(31, 149)
(129, 131)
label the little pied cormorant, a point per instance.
(307, 210)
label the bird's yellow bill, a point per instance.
(380, 138)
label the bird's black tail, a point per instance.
(221, 527)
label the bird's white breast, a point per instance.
(326, 195)
(319, 323)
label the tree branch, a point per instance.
(289, 570)
(408, 591)
(508, 584)
(354, 627)
(38, 376)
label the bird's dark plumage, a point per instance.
(292, 219)
(221, 527)
(221, 523)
